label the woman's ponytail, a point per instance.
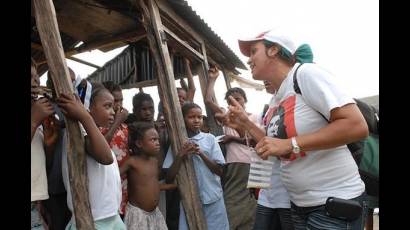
(304, 54)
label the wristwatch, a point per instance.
(295, 146)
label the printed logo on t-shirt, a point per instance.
(277, 126)
(281, 121)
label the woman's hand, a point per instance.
(236, 112)
(227, 121)
(270, 146)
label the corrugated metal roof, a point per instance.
(121, 69)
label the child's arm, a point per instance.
(95, 143)
(120, 117)
(229, 138)
(167, 186)
(191, 85)
(124, 167)
(162, 172)
(40, 109)
(213, 74)
(212, 165)
(172, 172)
(51, 133)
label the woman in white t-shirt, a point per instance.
(308, 130)
(273, 210)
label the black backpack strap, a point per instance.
(295, 81)
(297, 89)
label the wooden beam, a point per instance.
(166, 8)
(84, 62)
(128, 36)
(203, 81)
(183, 43)
(141, 84)
(180, 32)
(186, 178)
(206, 64)
(77, 168)
(87, 20)
(91, 45)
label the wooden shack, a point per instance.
(158, 33)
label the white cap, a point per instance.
(275, 36)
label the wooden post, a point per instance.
(52, 47)
(203, 81)
(202, 71)
(186, 178)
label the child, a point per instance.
(169, 200)
(237, 196)
(205, 125)
(117, 136)
(208, 160)
(104, 183)
(142, 171)
(42, 142)
(142, 108)
(186, 93)
(57, 212)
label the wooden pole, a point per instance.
(77, 168)
(203, 81)
(186, 178)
